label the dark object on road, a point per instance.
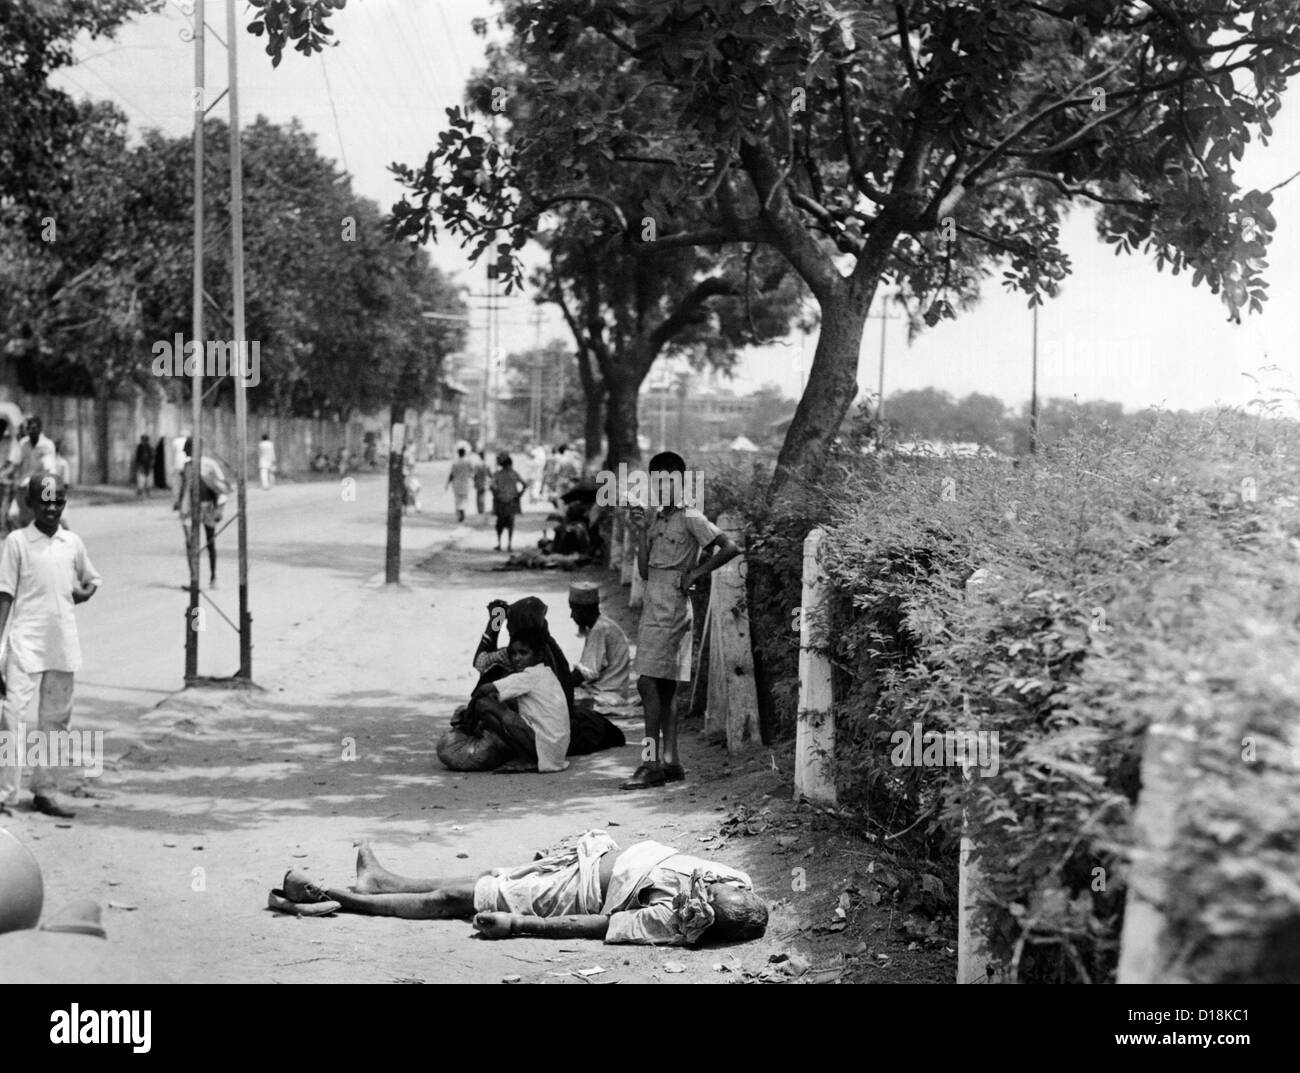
(537, 560)
(590, 732)
(459, 750)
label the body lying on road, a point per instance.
(648, 894)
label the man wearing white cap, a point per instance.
(603, 673)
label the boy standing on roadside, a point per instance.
(44, 572)
(672, 539)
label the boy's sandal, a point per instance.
(674, 773)
(645, 776)
(277, 901)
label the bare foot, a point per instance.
(372, 877)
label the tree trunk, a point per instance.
(103, 398)
(396, 494)
(593, 425)
(593, 396)
(832, 386)
(621, 422)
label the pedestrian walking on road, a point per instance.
(143, 467)
(410, 482)
(214, 490)
(538, 466)
(266, 460)
(460, 480)
(160, 465)
(180, 454)
(44, 573)
(507, 488)
(482, 477)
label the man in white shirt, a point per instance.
(266, 460)
(539, 730)
(603, 673)
(44, 572)
(34, 455)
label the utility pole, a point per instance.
(884, 318)
(485, 425)
(1033, 391)
(241, 343)
(535, 409)
(663, 415)
(192, 619)
(683, 381)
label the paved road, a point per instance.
(306, 544)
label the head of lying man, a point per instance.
(738, 914)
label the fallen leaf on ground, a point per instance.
(674, 966)
(593, 971)
(512, 979)
(122, 905)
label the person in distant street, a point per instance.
(266, 460)
(160, 465)
(143, 467)
(62, 470)
(35, 457)
(537, 470)
(410, 482)
(507, 488)
(482, 476)
(460, 480)
(214, 490)
(548, 473)
(566, 470)
(179, 457)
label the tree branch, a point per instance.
(686, 309)
(905, 44)
(786, 231)
(1066, 188)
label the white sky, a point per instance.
(1120, 330)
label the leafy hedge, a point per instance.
(1067, 602)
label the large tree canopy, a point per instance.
(921, 143)
(333, 304)
(38, 122)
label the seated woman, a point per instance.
(469, 745)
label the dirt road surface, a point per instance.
(209, 795)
